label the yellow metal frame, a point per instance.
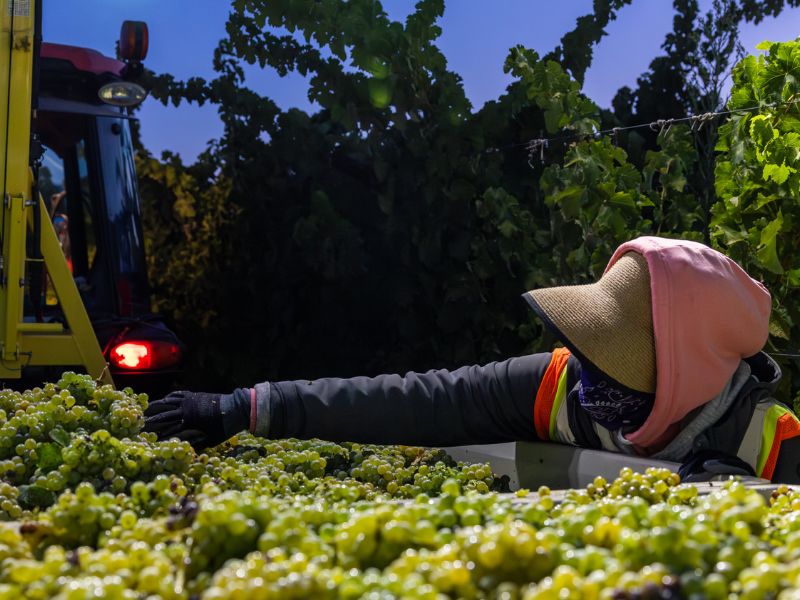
(23, 343)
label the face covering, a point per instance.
(611, 404)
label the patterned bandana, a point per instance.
(611, 404)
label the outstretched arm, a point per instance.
(476, 404)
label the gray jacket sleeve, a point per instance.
(471, 405)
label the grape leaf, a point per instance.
(48, 456)
(59, 436)
(768, 249)
(34, 496)
(777, 173)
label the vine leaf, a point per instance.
(768, 248)
(777, 173)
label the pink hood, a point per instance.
(708, 314)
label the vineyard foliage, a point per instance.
(757, 218)
(396, 227)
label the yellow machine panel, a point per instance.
(23, 341)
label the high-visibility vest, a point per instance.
(549, 408)
(771, 423)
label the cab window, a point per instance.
(65, 183)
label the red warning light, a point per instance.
(140, 355)
(131, 355)
(133, 40)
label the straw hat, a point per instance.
(609, 323)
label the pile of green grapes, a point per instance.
(96, 509)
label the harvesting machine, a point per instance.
(73, 281)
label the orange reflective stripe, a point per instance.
(786, 428)
(546, 394)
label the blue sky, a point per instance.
(475, 39)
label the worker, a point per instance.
(661, 358)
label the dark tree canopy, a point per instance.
(396, 227)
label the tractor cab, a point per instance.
(87, 179)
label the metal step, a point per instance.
(558, 466)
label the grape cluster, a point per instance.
(100, 509)
(138, 572)
(61, 435)
(293, 466)
(113, 463)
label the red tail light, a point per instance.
(145, 355)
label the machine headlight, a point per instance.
(122, 93)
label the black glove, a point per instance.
(195, 417)
(713, 464)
